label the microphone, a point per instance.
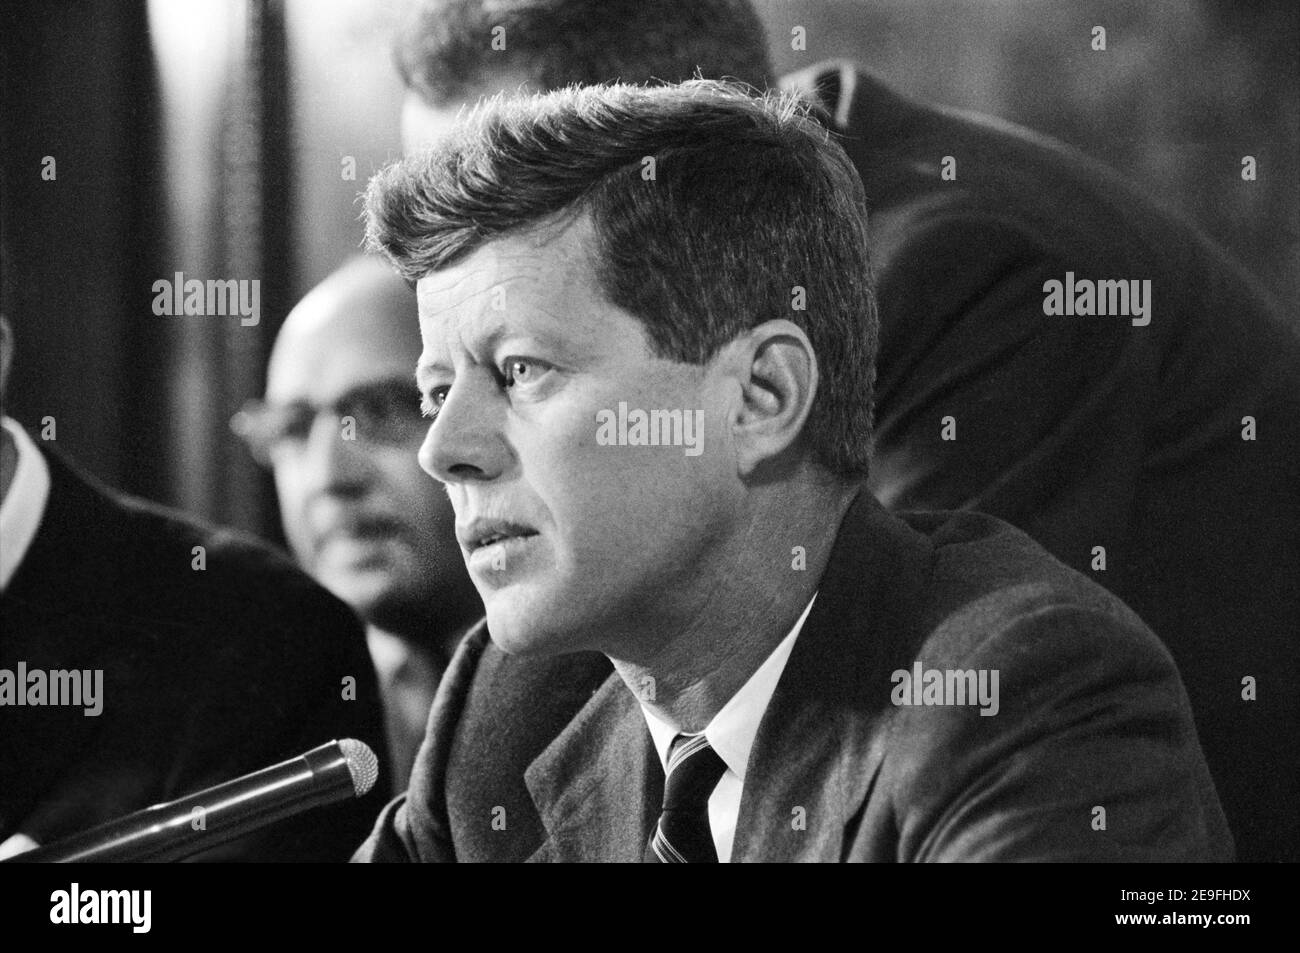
(176, 829)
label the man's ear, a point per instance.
(776, 368)
(6, 356)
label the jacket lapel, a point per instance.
(598, 786)
(819, 744)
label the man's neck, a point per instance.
(755, 601)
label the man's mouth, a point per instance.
(355, 530)
(482, 533)
(376, 527)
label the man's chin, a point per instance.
(355, 588)
(375, 596)
(528, 637)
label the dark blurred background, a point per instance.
(214, 137)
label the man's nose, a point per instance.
(466, 442)
(335, 458)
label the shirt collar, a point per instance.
(24, 504)
(732, 731)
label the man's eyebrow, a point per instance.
(488, 344)
(425, 369)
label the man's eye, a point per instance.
(295, 422)
(518, 370)
(432, 402)
(382, 405)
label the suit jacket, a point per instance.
(1089, 431)
(208, 674)
(1091, 715)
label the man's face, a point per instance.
(359, 513)
(595, 541)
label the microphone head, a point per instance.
(362, 764)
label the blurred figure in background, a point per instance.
(340, 427)
(209, 656)
(1156, 453)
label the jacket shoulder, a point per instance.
(1036, 698)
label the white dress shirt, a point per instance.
(20, 518)
(731, 733)
(24, 504)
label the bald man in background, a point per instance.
(339, 428)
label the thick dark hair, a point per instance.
(445, 51)
(750, 200)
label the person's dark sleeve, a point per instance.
(319, 686)
(1091, 756)
(234, 669)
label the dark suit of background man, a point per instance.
(359, 513)
(1082, 431)
(207, 674)
(763, 613)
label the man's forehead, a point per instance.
(538, 274)
(323, 352)
(486, 278)
(543, 291)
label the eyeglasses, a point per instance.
(385, 412)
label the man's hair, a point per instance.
(750, 212)
(446, 54)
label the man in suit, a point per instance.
(358, 512)
(208, 656)
(1160, 458)
(648, 353)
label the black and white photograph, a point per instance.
(650, 431)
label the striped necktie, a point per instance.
(682, 835)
